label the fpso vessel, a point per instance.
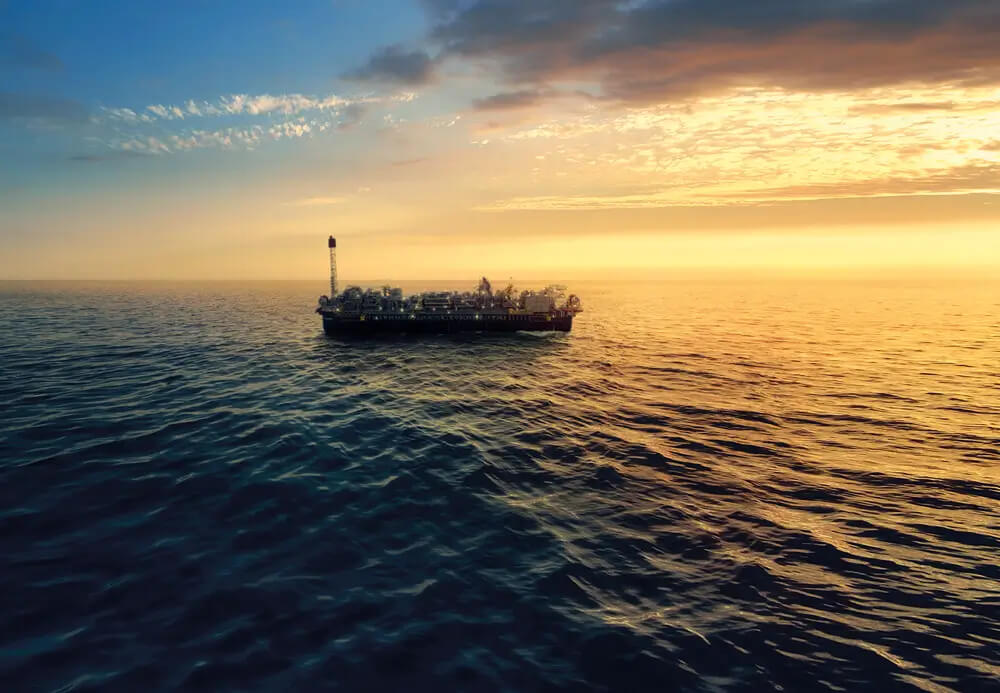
(357, 311)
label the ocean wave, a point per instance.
(691, 496)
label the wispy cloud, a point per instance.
(222, 138)
(106, 156)
(44, 109)
(143, 145)
(153, 129)
(243, 104)
(759, 146)
(316, 202)
(168, 112)
(126, 115)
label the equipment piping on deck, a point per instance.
(358, 310)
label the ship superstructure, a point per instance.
(358, 310)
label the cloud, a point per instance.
(17, 106)
(907, 107)
(756, 146)
(148, 145)
(159, 111)
(286, 104)
(242, 104)
(982, 177)
(316, 202)
(289, 129)
(166, 112)
(397, 65)
(18, 51)
(984, 106)
(289, 116)
(223, 138)
(508, 100)
(960, 180)
(351, 116)
(657, 50)
(226, 138)
(112, 155)
(126, 115)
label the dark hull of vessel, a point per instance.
(336, 325)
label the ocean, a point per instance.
(706, 486)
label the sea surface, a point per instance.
(706, 486)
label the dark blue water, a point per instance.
(705, 487)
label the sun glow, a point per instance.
(580, 176)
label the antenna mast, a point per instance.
(333, 266)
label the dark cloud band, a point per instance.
(663, 49)
(395, 64)
(28, 106)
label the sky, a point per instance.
(523, 138)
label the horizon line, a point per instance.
(956, 276)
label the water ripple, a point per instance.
(717, 487)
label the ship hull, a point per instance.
(335, 325)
